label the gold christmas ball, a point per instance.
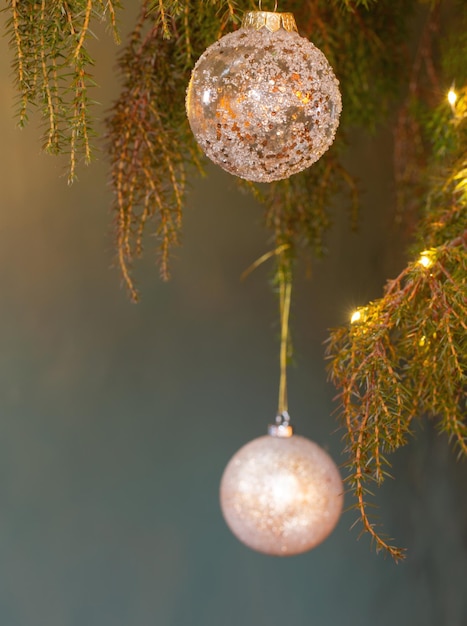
(281, 495)
(263, 102)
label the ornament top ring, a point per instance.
(271, 21)
(263, 102)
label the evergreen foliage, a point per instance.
(407, 355)
(52, 68)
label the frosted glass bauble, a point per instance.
(264, 104)
(281, 495)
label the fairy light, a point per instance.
(426, 259)
(452, 97)
(356, 316)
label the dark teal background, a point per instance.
(117, 420)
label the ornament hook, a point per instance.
(282, 426)
(260, 5)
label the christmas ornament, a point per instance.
(281, 494)
(263, 102)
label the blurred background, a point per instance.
(117, 420)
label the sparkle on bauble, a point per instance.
(263, 102)
(281, 495)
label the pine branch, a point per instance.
(149, 168)
(405, 355)
(52, 66)
(150, 144)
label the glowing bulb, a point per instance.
(452, 97)
(356, 316)
(426, 258)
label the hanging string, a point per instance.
(279, 250)
(285, 290)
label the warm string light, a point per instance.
(426, 258)
(452, 97)
(359, 315)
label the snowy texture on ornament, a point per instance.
(263, 105)
(281, 495)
